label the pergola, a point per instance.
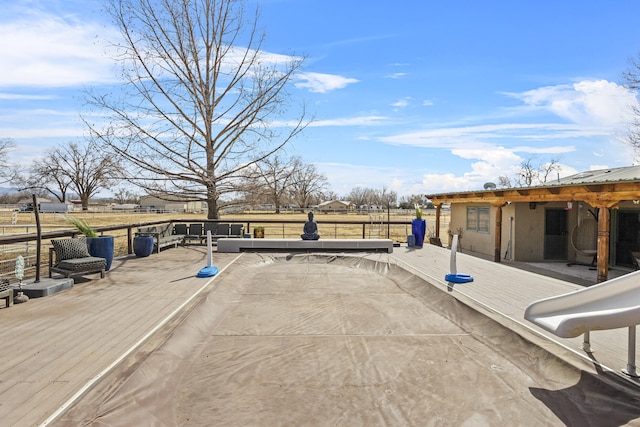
(604, 196)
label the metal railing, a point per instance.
(26, 244)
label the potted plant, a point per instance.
(258, 232)
(418, 227)
(99, 246)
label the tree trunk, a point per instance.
(212, 202)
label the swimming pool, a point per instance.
(344, 340)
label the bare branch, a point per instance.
(199, 98)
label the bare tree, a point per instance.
(632, 81)
(504, 181)
(6, 145)
(46, 176)
(547, 170)
(531, 173)
(200, 99)
(364, 196)
(307, 185)
(409, 202)
(387, 197)
(124, 196)
(80, 168)
(272, 178)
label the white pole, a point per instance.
(209, 249)
(631, 352)
(454, 248)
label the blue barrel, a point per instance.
(101, 247)
(143, 245)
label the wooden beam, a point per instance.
(498, 236)
(603, 244)
(438, 208)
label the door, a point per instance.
(556, 236)
(627, 237)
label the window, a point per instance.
(478, 219)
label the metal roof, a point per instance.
(600, 176)
(629, 173)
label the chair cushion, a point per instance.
(70, 248)
(83, 264)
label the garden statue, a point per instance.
(310, 229)
(21, 297)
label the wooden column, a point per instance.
(498, 236)
(603, 243)
(438, 208)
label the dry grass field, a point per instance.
(24, 222)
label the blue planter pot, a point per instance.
(101, 247)
(143, 245)
(418, 229)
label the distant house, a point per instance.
(334, 206)
(26, 205)
(590, 217)
(169, 203)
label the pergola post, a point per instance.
(603, 243)
(438, 208)
(498, 236)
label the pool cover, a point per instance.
(305, 340)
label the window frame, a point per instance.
(478, 219)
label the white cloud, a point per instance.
(427, 103)
(23, 97)
(591, 102)
(44, 50)
(460, 137)
(402, 103)
(350, 121)
(396, 75)
(322, 83)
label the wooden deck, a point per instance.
(503, 292)
(55, 347)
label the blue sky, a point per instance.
(418, 96)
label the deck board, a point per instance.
(507, 291)
(50, 347)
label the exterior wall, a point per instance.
(529, 229)
(151, 201)
(474, 241)
(523, 231)
(334, 206)
(528, 232)
(177, 206)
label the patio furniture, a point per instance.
(222, 230)
(584, 240)
(180, 229)
(210, 226)
(237, 230)
(163, 236)
(72, 258)
(194, 232)
(6, 293)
